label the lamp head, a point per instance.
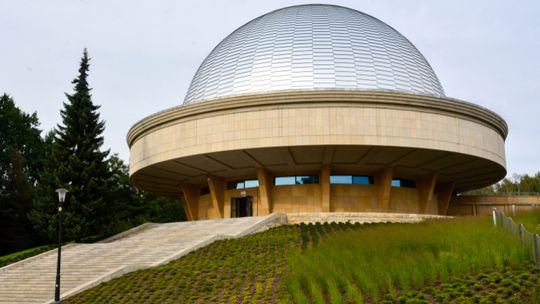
(61, 194)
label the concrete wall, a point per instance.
(468, 205)
(364, 198)
(296, 198)
(351, 198)
(311, 198)
(206, 210)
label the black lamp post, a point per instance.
(61, 199)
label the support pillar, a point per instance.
(217, 194)
(444, 195)
(191, 201)
(265, 191)
(325, 188)
(383, 181)
(426, 187)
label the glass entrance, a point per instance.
(241, 206)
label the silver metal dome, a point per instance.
(313, 47)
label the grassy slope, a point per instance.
(253, 269)
(367, 264)
(531, 220)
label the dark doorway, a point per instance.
(241, 206)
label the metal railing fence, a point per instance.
(526, 237)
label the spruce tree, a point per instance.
(77, 163)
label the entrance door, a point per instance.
(241, 206)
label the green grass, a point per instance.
(530, 219)
(457, 261)
(387, 259)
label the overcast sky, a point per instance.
(144, 54)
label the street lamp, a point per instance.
(61, 199)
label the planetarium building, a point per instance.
(316, 108)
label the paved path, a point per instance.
(86, 265)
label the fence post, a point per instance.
(520, 232)
(494, 217)
(535, 250)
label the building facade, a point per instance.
(316, 108)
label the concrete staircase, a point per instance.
(86, 265)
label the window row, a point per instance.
(314, 179)
(351, 180)
(243, 184)
(296, 180)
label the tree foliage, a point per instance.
(77, 163)
(100, 202)
(515, 185)
(21, 147)
(133, 207)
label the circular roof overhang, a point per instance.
(299, 131)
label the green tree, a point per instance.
(517, 184)
(21, 148)
(77, 163)
(132, 207)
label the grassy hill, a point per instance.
(448, 261)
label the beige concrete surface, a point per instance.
(468, 205)
(298, 131)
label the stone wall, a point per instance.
(358, 217)
(473, 205)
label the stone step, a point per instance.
(32, 280)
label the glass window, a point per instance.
(235, 185)
(402, 182)
(296, 180)
(284, 180)
(251, 183)
(408, 183)
(341, 179)
(362, 180)
(307, 179)
(351, 179)
(242, 184)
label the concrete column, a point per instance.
(325, 189)
(217, 194)
(425, 186)
(383, 181)
(444, 194)
(265, 191)
(191, 201)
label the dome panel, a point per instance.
(313, 47)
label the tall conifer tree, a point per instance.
(77, 163)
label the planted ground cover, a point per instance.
(517, 285)
(469, 262)
(246, 270)
(386, 262)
